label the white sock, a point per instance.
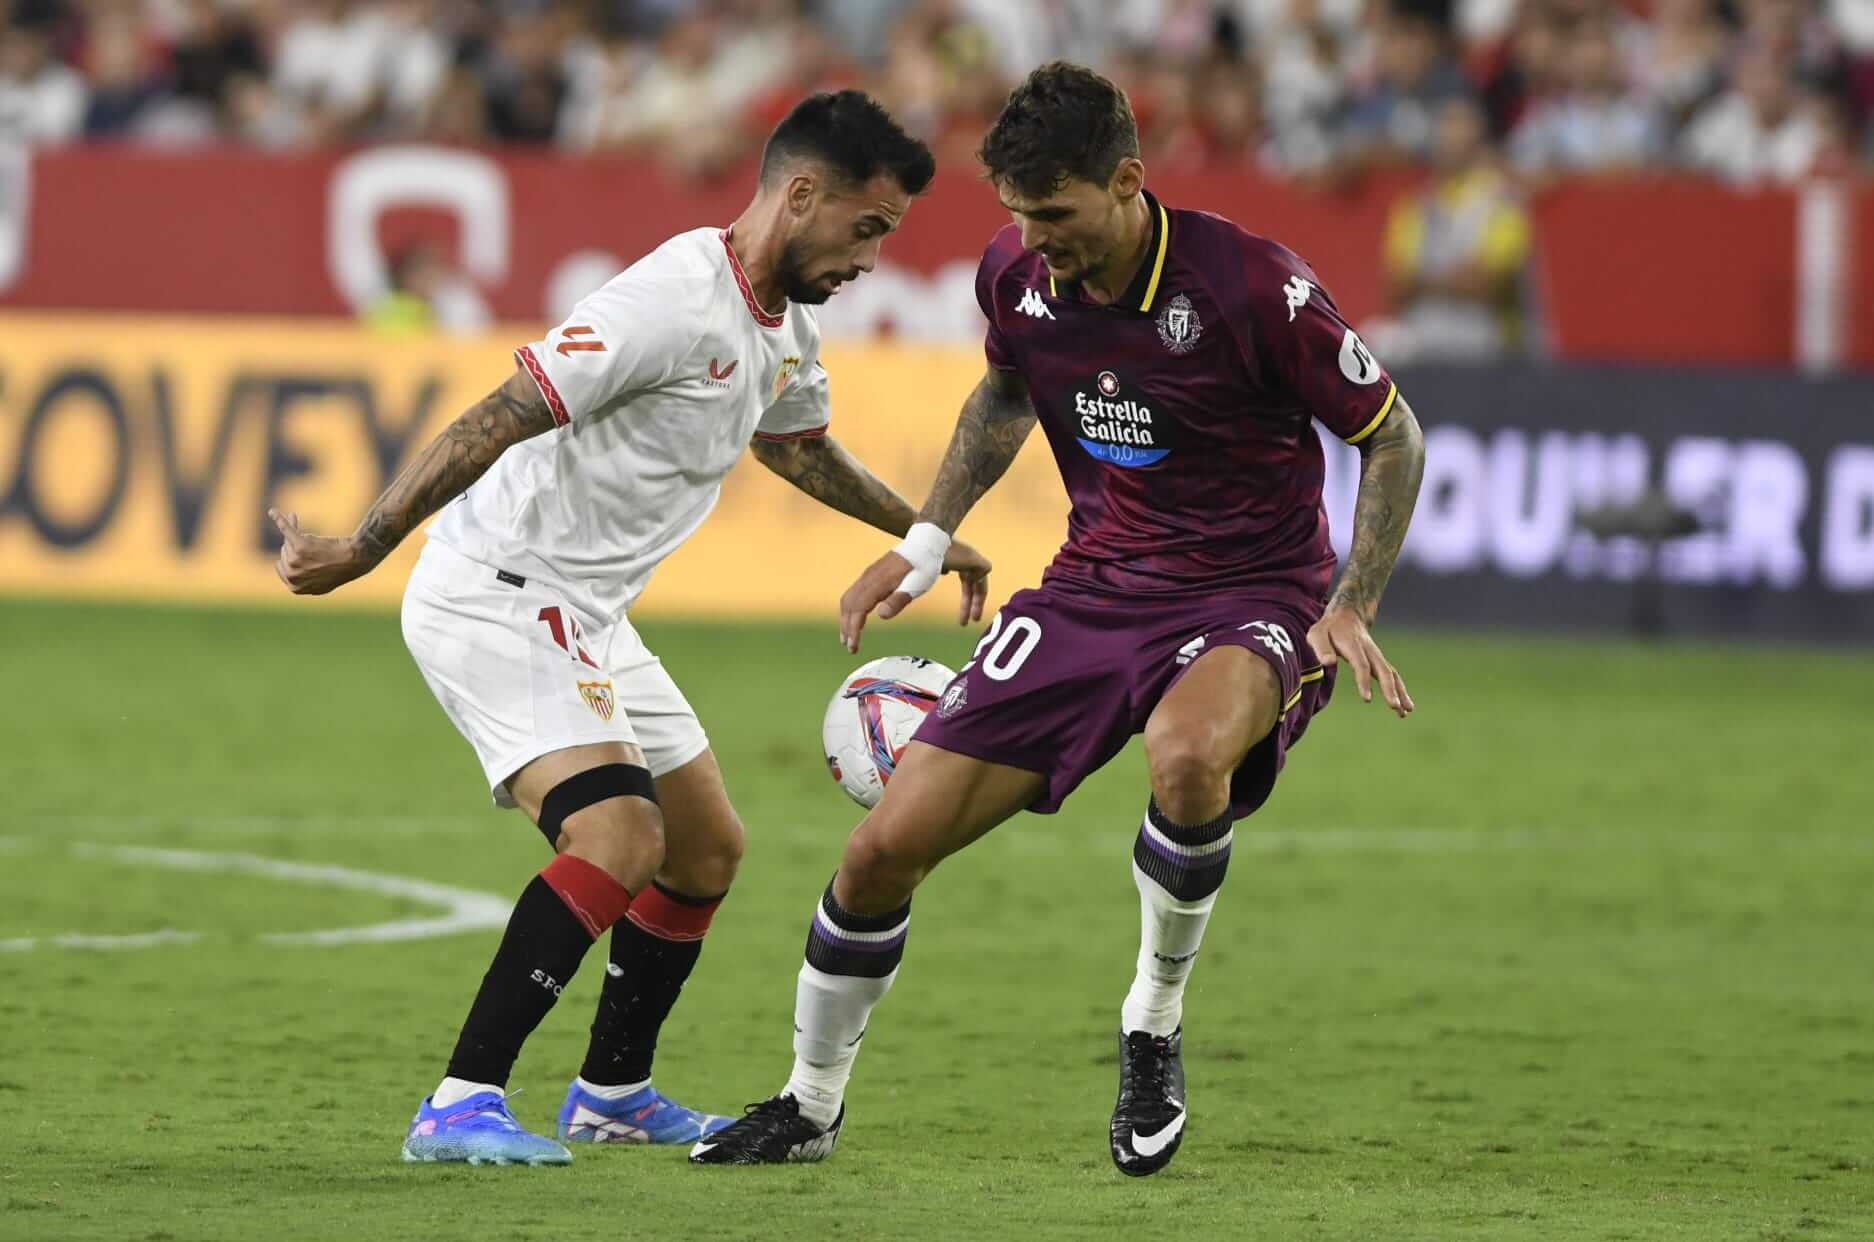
(612, 1093)
(455, 1090)
(830, 1013)
(1169, 934)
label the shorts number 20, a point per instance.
(1008, 649)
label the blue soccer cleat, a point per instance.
(478, 1130)
(645, 1116)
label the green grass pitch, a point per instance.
(1584, 950)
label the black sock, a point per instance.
(539, 952)
(654, 949)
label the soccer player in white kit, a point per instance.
(602, 452)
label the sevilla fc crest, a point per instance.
(598, 696)
(789, 366)
(1178, 325)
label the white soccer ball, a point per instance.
(872, 717)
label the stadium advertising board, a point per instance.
(1776, 471)
(1621, 270)
(138, 457)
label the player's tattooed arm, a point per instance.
(461, 454)
(1392, 461)
(821, 467)
(314, 564)
(996, 418)
(995, 422)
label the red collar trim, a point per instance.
(762, 317)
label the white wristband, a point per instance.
(924, 546)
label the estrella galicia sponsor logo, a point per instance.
(1120, 432)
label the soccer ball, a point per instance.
(872, 717)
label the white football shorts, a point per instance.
(523, 674)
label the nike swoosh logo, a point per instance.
(1151, 1146)
(702, 1149)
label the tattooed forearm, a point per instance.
(1391, 464)
(821, 467)
(996, 419)
(453, 460)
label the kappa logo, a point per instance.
(1272, 636)
(1298, 291)
(1031, 304)
(719, 374)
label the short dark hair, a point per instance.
(849, 132)
(1065, 122)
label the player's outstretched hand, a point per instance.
(876, 588)
(972, 570)
(1340, 635)
(315, 564)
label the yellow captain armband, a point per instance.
(1385, 408)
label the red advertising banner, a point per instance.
(1657, 270)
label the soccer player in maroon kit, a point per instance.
(1175, 363)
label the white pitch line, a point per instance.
(237, 825)
(81, 940)
(462, 909)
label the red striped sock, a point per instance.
(672, 916)
(594, 897)
(654, 949)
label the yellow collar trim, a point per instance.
(1158, 264)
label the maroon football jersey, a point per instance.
(1179, 415)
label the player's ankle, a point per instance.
(819, 1099)
(611, 1091)
(454, 1090)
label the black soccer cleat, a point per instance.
(1148, 1121)
(771, 1132)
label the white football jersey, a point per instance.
(657, 382)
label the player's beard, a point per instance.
(1077, 272)
(795, 283)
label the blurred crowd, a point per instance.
(1486, 99)
(1743, 89)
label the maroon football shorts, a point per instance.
(1061, 681)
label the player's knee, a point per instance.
(608, 816)
(879, 869)
(727, 846)
(625, 837)
(1190, 773)
(708, 865)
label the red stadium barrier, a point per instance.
(1662, 271)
